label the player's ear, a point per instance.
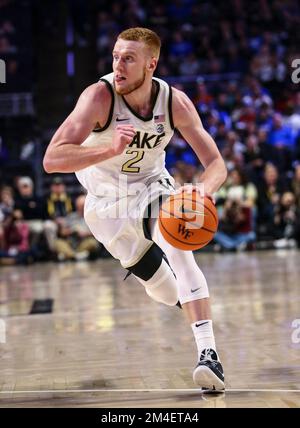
(152, 64)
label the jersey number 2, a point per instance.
(128, 166)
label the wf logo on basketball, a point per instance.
(188, 221)
(182, 230)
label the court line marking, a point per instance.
(143, 390)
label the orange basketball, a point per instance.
(188, 221)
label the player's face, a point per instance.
(130, 65)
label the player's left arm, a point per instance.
(188, 123)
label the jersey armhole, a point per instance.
(111, 110)
(170, 108)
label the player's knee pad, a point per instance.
(154, 273)
(162, 287)
(191, 282)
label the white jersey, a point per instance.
(143, 160)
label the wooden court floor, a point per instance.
(105, 343)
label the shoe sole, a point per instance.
(207, 380)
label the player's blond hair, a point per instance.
(139, 34)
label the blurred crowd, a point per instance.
(43, 228)
(261, 215)
(260, 143)
(204, 37)
(234, 61)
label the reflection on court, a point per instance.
(106, 343)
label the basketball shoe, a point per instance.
(208, 374)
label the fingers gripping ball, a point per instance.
(188, 221)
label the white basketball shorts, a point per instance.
(117, 222)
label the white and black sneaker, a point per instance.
(208, 374)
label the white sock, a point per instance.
(204, 336)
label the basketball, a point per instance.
(188, 221)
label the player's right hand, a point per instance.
(123, 136)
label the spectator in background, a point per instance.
(235, 228)
(33, 212)
(257, 153)
(59, 203)
(220, 136)
(14, 240)
(264, 117)
(238, 188)
(31, 206)
(286, 221)
(270, 191)
(283, 139)
(233, 150)
(245, 113)
(212, 121)
(74, 239)
(243, 193)
(203, 100)
(222, 105)
(7, 202)
(256, 94)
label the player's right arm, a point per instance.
(65, 153)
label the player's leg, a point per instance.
(155, 274)
(194, 297)
(125, 240)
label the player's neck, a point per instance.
(141, 100)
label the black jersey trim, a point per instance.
(150, 117)
(108, 85)
(170, 108)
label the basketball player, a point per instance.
(115, 141)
